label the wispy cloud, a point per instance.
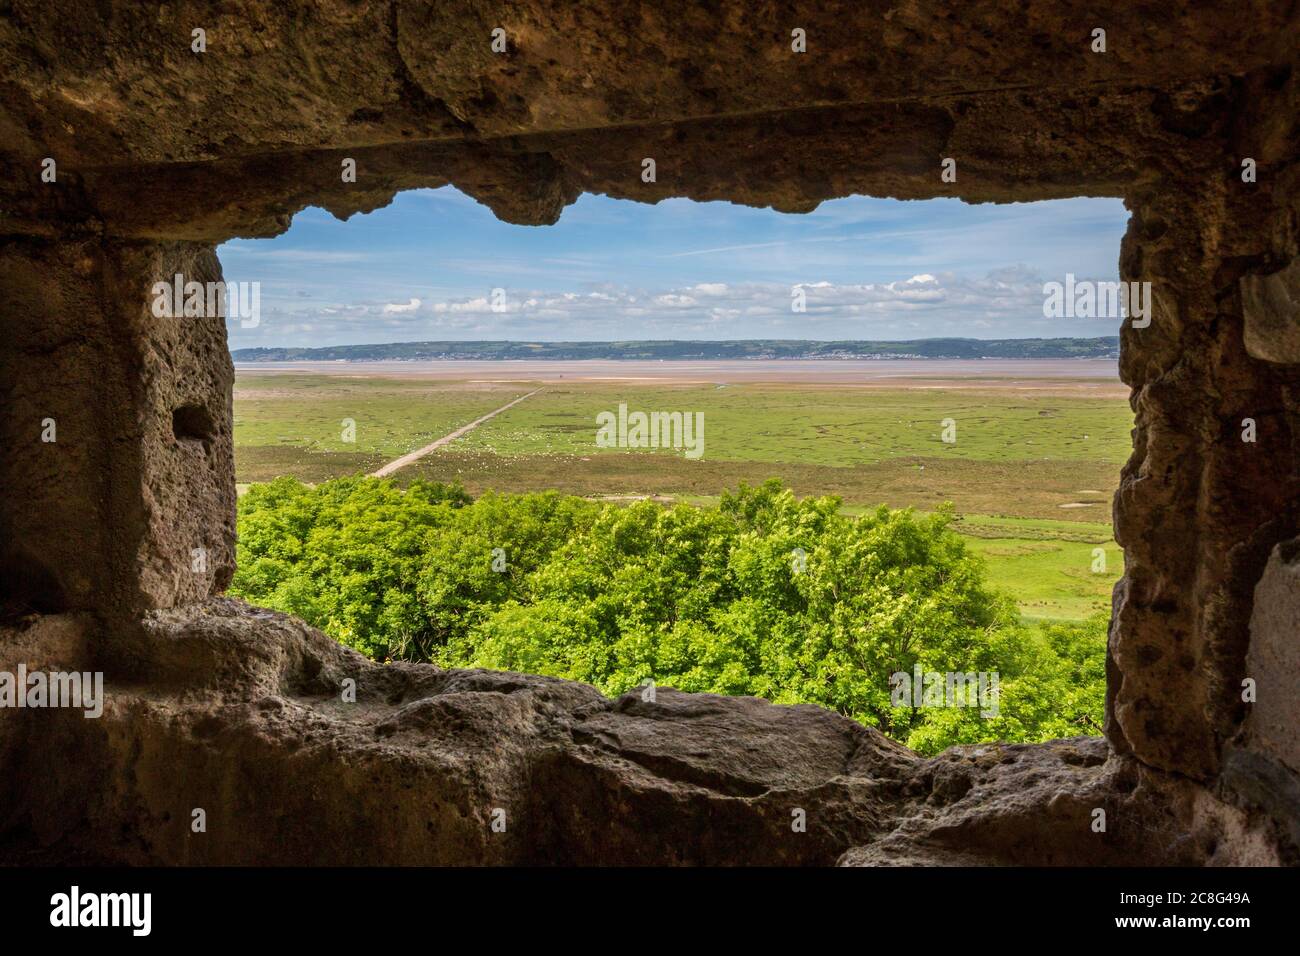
(751, 245)
(1003, 303)
(311, 256)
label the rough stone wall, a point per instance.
(236, 712)
(117, 430)
(1199, 509)
(163, 152)
(117, 83)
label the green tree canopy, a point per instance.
(764, 594)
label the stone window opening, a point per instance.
(278, 441)
(217, 706)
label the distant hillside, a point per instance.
(1106, 347)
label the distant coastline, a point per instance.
(1106, 347)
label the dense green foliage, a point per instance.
(785, 599)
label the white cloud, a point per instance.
(1006, 302)
(410, 306)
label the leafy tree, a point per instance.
(764, 594)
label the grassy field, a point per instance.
(1031, 472)
(825, 425)
(1048, 565)
(295, 424)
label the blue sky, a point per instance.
(424, 267)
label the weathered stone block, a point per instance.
(1273, 661)
(117, 431)
(1271, 307)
